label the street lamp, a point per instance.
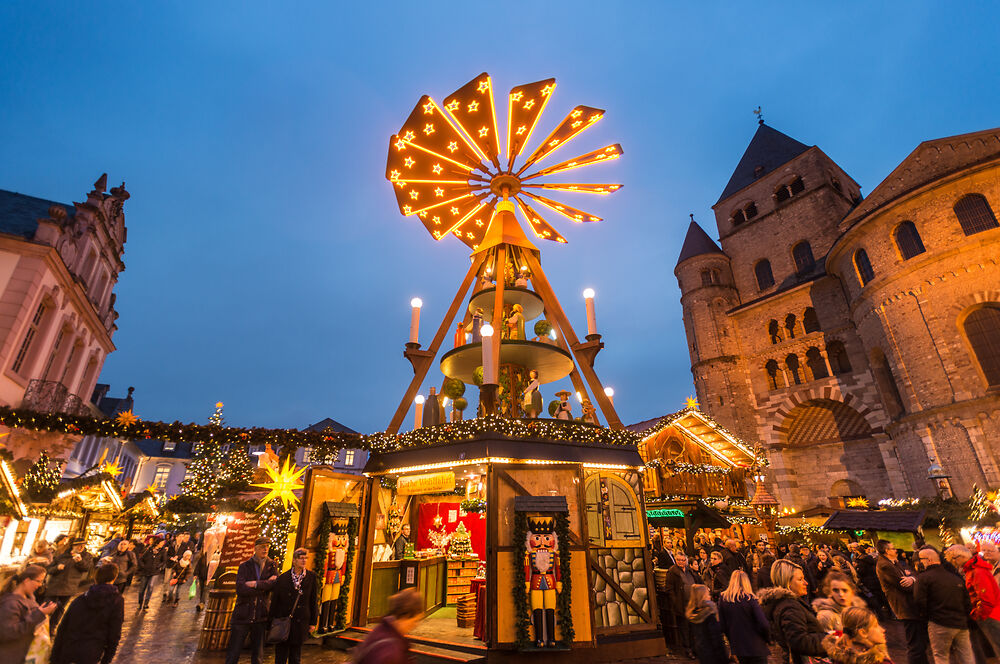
(941, 481)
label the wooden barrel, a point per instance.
(218, 613)
(660, 577)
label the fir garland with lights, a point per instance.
(564, 613)
(345, 584)
(276, 524)
(522, 632)
(41, 482)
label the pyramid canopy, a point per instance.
(696, 243)
(768, 148)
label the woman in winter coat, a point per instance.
(862, 640)
(743, 621)
(151, 563)
(20, 614)
(92, 625)
(819, 566)
(182, 574)
(793, 624)
(703, 617)
(387, 643)
(297, 583)
(839, 593)
(715, 576)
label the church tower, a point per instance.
(705, 276)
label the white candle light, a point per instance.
(489, 371)
(609, 392)
(418, 411)
(415, 305)
(588, 299)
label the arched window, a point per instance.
(706, 277)
(774, 330)
(715, 277)
(775, 379)
(836, 185)
(908, 240)
(790, 325)
(797, 186)
(765, 278)
(839, 360)
(612, 511)
(816, 364)
(750, 210)
(982, 328)
(792, 363)
(802, 254)
(786, 191)
(863, 266)
(32, 332)
(782, 194)
(738, 217)
(974, 214)
(810, 322)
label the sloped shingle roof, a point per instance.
(19, 213)
(769, 149)
(696, 243)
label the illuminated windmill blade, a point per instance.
(415, 197)
(406, 162)
(472, 230)
(474, 112)
(567, 211)
(579, 120)
(442, 220)
(541, 228)
(430, 129)
(603, 189)
(607, 153)
(525, 104)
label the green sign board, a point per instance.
(651, 514)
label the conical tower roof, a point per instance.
(768, 149)
(696, 243)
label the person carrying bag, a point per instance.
(293, 610)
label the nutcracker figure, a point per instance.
(543, 577)
(333, 577)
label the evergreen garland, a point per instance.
(41, 482)
(521, 620)
(275, 524)
(564, 614)
(319, 562)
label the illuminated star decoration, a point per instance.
(858, 502)
(283, 483)
(112, 469)
(438, 520)
(126, 418)
(469, 154)
(691, 403)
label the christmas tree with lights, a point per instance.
(204, 476)
(461, 542)
(237, 471)
(41, 482)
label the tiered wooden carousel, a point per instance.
(526, 534)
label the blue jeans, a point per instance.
(145, 590)
(239, 634)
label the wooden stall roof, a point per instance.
(491, 447)
(338, 510)
(97, 493)
(9, 490)
(701, 516)
(704, 432)
(901, 521)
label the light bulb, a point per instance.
(416, 303)
(588, 294)
(419, 400)
(609, 391)
(486, 330)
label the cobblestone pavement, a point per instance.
(169, 633)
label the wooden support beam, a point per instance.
(552, 306)
(603, 573)
(499, 271)
(420, 367)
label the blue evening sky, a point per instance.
(267, 264)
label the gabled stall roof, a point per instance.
(900, 521)
(97, 492)
(703, 431)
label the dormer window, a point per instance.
(169, 446)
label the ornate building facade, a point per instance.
(59, 265)
(857, 338)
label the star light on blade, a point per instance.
(448, 167)
(283, 484)
(126, 418)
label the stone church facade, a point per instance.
(858, 339)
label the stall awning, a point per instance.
(672, 515)
(338, 510)
(900, 521)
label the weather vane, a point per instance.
(760, 115)
(449, 164)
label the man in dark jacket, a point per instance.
(254, 580)
(126, 562)
(897, 584)
(680, 578)
(940, 598)
(150, 565)
(92, 626)
(733, 560)
(67, 573)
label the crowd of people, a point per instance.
(66, 604)
(724, 599)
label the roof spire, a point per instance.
(760, 115)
